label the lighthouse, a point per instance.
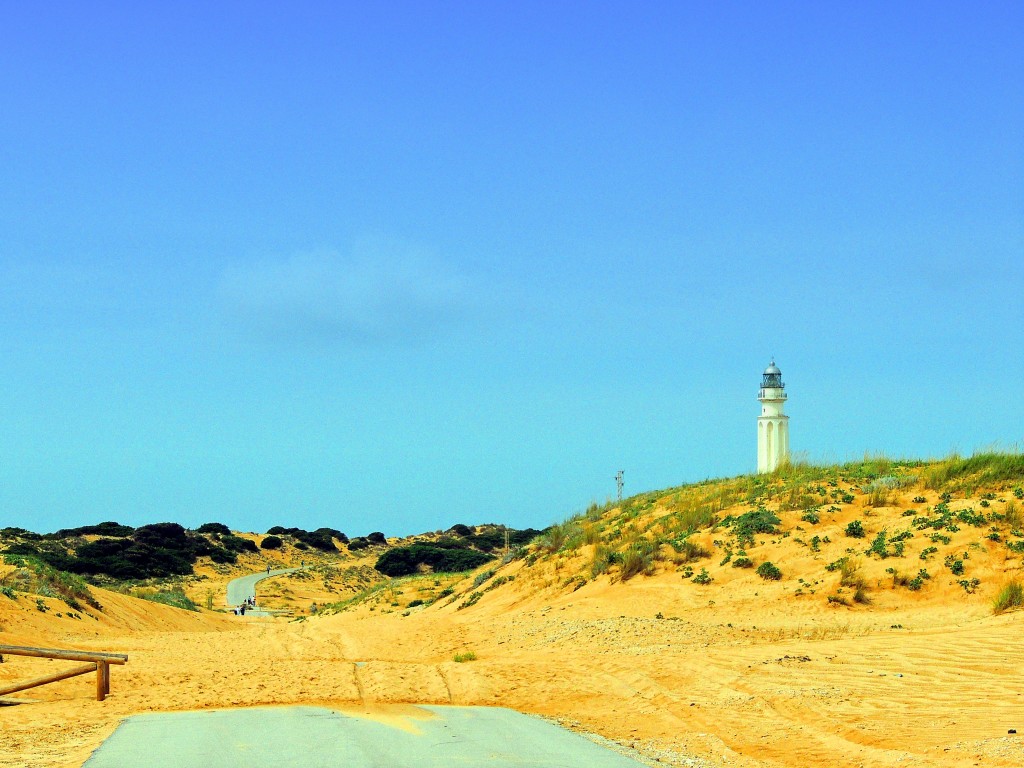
(772, 424)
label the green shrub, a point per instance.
(703, 577)
(271, 542)
(855, 529)
(768, 571)
(918, 581)
(748, 524)
(878, 545)
(460, 658)
(404, 561)
(742, 562)
(218, 528)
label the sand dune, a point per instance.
(824, 688)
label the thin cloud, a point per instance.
(381, 291)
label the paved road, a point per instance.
(245, 586)
(312, 737)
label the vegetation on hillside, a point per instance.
(465, 550)
(150, 551)
(867, 526)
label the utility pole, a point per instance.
(618, 483)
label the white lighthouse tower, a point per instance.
(772, 424)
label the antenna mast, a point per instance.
(618, 484)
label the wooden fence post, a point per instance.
(99, 662)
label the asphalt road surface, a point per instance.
(313, 737)
(245, 586)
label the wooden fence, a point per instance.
(98, 663)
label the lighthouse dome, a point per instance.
(772, 378)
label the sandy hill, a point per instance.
(634, 621)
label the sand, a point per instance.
(739, 677)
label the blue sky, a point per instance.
(397, 265)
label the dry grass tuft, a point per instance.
(1010, 596)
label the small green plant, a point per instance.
(414, 603)
(769, 571)
(955, 565)
(703, 577)
(835, 565)
(460, 658)
(1010, 596)
(878, 545)
(816, 544)
(969, 585)
(41, 605)
(855, 529)
(742, 562)
(8, 592)
(471, 600)
(927, 552)
(837, 599)
(811, 516)
(919, 499)
(918, 581)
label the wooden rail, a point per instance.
(99, 663)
